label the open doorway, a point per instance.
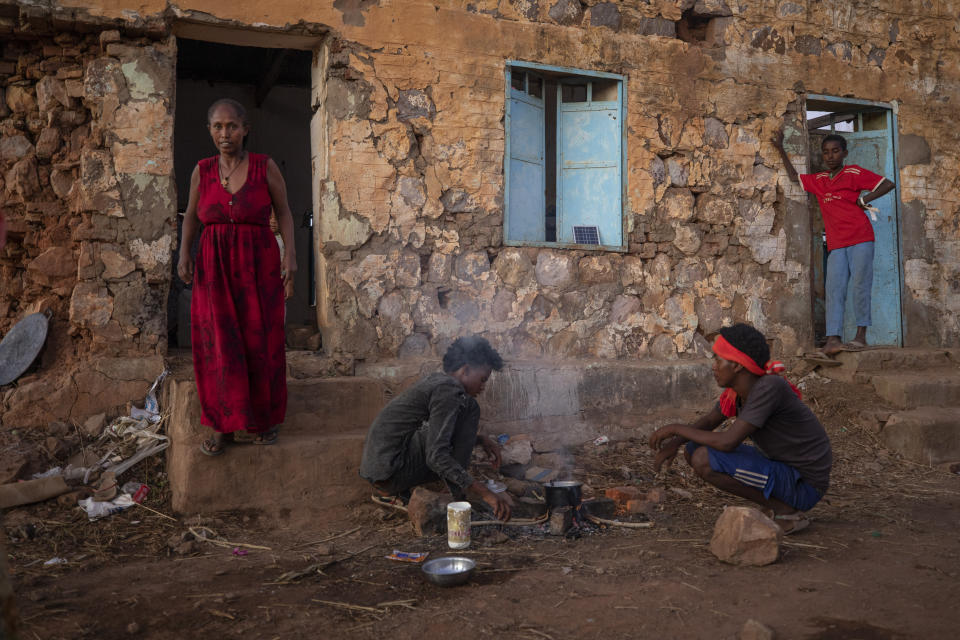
(869, 129)
(274, 86)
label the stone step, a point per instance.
(928, 435)
(876, 359)
(311, 469)
(907, 389)
(302, 476)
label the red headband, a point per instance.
(728, 399)
(729, 352)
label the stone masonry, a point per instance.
(86, 187)
(408, 165)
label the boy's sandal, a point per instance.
(854, 345)
(267, 437)
(790, 523)
(819, 357)
(392, 502)
(214, 445)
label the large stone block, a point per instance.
(744, 536)
(928, 435)
(14, 148)
(312, 470)
(556, 269)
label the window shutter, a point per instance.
(589, 150)
(525, 215)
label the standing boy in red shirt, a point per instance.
(849, 233)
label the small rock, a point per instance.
(133, 628)
(93, 426)
(744, 536)
(187, 548)
(323, 549)
(755, 630)
(517, 450)
(427, 511)
(683, 493)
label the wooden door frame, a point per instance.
(892, 108)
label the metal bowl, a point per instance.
(449, 571)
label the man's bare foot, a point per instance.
(833, 346)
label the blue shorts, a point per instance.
(777, 479)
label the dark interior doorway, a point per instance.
(274, 86)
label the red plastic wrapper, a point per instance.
(407, 556)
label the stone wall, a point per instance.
(86, 187)
(408, 167)
(413, 203)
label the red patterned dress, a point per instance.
(237, 311)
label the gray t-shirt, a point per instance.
(787, 431)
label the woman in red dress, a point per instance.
(237, 310)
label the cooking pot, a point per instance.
(563, 493)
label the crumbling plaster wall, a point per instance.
(414, 196)
(86, 187)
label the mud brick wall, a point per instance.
(85, 185)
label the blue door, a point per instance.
(525, 179)
(589, 148)
(873, 150)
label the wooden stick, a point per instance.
(328, 538)
(155, 511)
(347, 605)
(225, 543)
(527, 522)
(617, 523)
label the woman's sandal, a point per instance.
(267, 437)
(215, 445)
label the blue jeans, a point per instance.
(849, 263)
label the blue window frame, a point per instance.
(565, 156)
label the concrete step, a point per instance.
(928, 435)
(302, 476)
(877, 359)
(908, 389)
(311, 469)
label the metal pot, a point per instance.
(563, 493)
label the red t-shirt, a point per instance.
(846, 223)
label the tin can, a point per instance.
(458, 525)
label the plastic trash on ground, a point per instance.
(96, 510)
(408, 556)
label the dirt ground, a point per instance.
(880, 561)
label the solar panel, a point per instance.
(586, 235)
